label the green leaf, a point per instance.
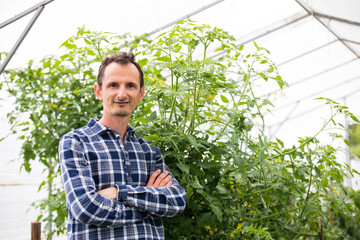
(209, 114)
(224, 99)
(69, 45)
(91, 52)
(264, 76)
(353, 117)
(41, 185)
(46, 64)
(193, 141)
(217, 211)
(197, 185)
(240, 163)
(56, 64)
(318, 172)
(87, 41)
(356, 199)
(280, 142)
(142, 62)
(153, 116)
(183, 167)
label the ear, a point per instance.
(98, 92)
(142, 94)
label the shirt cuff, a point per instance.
(122, 193)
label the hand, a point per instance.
(158, 179)
(110, 192)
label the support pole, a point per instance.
(36, 231)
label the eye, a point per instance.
(112, 85)
(131, 85)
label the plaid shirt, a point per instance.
(94, 158)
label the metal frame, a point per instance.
(38, 8)
(356, 91)
(268, 30)
(317, 16)
(185, 17)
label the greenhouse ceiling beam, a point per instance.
(315, 75)
(316, 16)
(296, 102)
(357, 91)
(318, 92)
(306, 53)
(350, 41)
(324, 71)
(185, 17)
(337, 19)
(303, 55)
(24, 13)
(268, 30)
(39, 7)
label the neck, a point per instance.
(118, 124)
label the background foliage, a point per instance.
(354, 140)
(204, 114)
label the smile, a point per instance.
(121, 103)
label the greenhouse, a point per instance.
(253, 105)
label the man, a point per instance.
(117, 185)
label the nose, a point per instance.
(121, 94)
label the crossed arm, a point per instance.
(161, 197)
(158, 179)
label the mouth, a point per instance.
(121, 102)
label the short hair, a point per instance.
(122, 58)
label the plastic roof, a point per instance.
(315, 43)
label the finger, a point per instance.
(168, 184)
(161, 177)
(153, 177)
(165, 181)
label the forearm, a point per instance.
(163, 196)
(89, 207)
(156, 197)
(161, 202)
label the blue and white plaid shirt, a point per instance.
(94, 158)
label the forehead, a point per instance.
(121, 72)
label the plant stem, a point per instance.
(306, 142)
(173, 97)
(277, 214)
(308, 191)
(192, 124)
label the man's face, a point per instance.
(120, 91)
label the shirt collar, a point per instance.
(100, 128)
